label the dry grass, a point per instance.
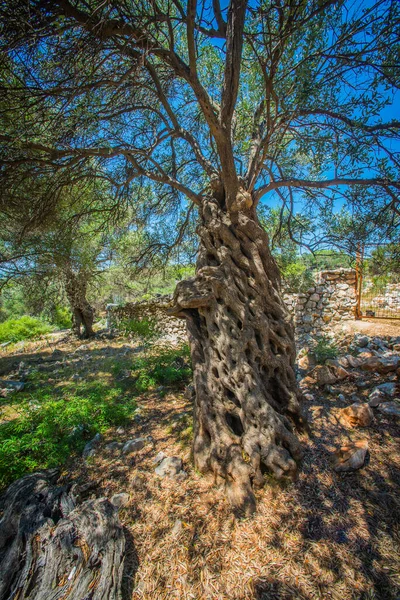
(324, 536)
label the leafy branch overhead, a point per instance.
(269, 98)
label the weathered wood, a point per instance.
(53, 549)
(243, 353)
(82, 312)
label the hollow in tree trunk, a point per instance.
(243, 352)
(82, 312)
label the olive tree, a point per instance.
(218, 108)
(67, 253)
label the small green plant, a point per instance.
(49, 428)
(168, 367)
(24, 328)
(296, 277)
(182, 429)
(62, 317)
(143, 328)
(325, 349)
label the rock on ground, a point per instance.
(357, 415)
(172, 467)
(350, 457)
(133, 445)
(91, 446)
(392, 409)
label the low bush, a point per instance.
(168, 367)
(325, 349)
(143, 328)
(62, 317)
(296, 277)
(24, 328)
(49, 428)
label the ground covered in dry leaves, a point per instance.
(326, 535)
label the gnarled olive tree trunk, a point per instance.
(243, 352)
(53, 547)
(82, 312)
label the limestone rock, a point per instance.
(16, 386)
(133, 445)
(170, 467)
(362, 341)
(113, 447)
(350, 457)
(376, 398)
(343, 362)
(363, 354)
(391, 409)
(159, 457)
(381, 364)
(389, 388)
(337, 368)
(90, 448)
(353, 361)
(306, 362)
(120, 500)
(357, 415)
(307, 382)
(324, 375)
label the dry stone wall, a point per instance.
(155, 310)
(330, 300)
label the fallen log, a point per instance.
(53, 548)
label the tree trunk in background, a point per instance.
(82, 312)
(243, 352)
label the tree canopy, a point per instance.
(268, 97)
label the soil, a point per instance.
(374, 327)
(325, 535)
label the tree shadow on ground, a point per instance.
(348, 522)
(272, 589)
(131, 565)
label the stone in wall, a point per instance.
(332, 299)
(155, 310)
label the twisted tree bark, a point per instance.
(242, 346)
(53, 548)
(82, 312)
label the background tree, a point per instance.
(385, 260)
(216, 108)
(66, 254)
(288, 234)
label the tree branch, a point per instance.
(234, 46)
(328, 183)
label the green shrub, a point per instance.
(62, 317)
(142, 328)
(50, 429)
(25, 328)
(296, 277)
(169, 367)
(325, 349)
